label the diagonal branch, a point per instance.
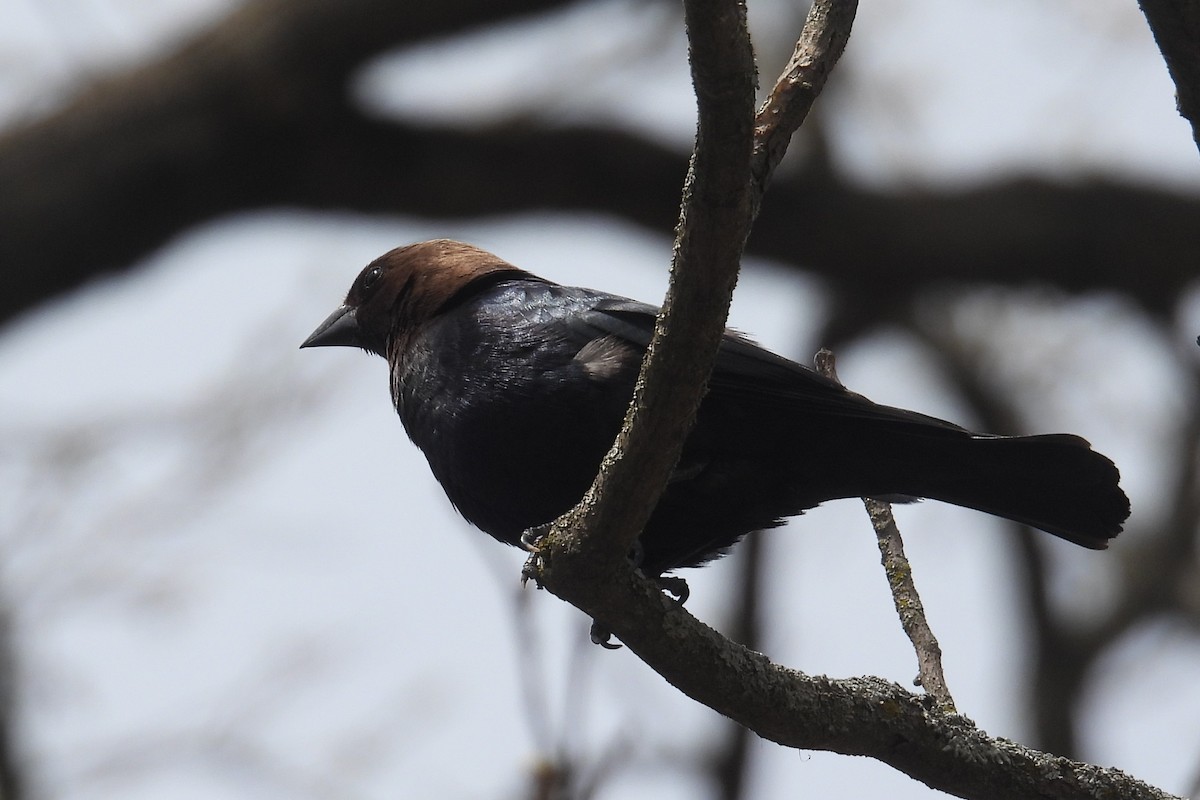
(821, 43)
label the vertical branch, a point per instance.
(730, 766)
(735, 154)
(900, 580)
(714, 222)
(12, 785)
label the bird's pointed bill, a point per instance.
(340, 329)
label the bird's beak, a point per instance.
(339, 330)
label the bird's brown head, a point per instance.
(402, 290)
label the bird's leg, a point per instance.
(672, 585)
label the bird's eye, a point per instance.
(370, 278)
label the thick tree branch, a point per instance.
(715, 219)
(860, 716)
(730, 167)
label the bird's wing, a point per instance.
(744, 370)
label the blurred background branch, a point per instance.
(258, 111)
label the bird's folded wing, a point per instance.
(746, 371)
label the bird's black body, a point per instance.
(515, 388)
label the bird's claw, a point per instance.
(675, 586)
(529, 542)
(530, 538)
(602, 636)
(530, 570)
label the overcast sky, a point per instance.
(232, 576)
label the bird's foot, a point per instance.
(602, 636)
(530, 570)
(675, 586)
(529, 542)
(531, 537)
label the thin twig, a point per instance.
(908, 603)
(900, 581)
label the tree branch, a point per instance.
(226, 121)
(582, 560)
(908, 604)
(854, 716)
(714, 221)
(1176, 28)
(822, 42)
(900, 580)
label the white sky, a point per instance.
(299, 613)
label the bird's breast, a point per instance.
(514, 431)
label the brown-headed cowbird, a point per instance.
(514, 387)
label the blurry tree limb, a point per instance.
(223, 122)
(255, 112)
(1176, 28)
(13, 780)
(730, 760)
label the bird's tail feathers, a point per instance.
(1053, 482)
